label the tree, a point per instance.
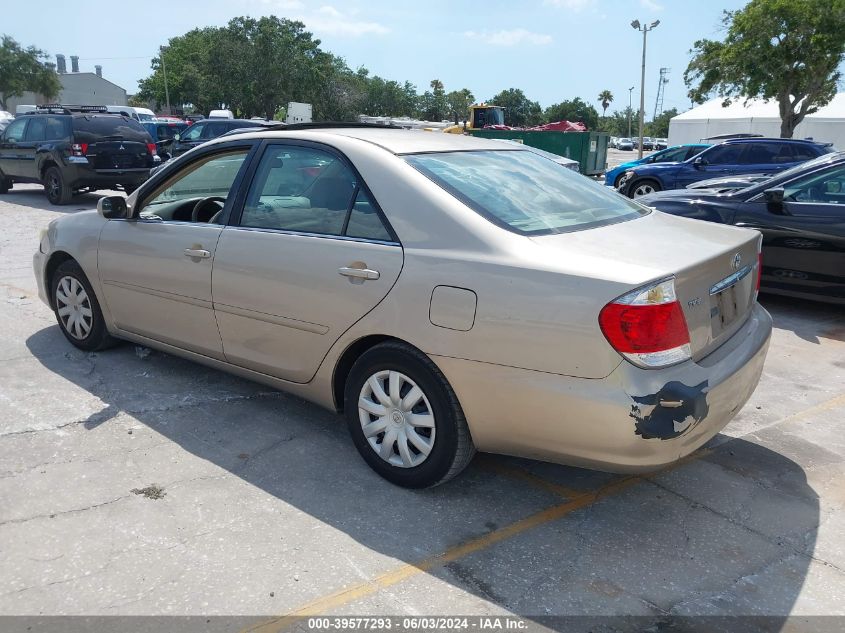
(605, 98)
(574, 110)
(459, 102)
(660, 126)
(788, 50)
(433, 105)
(22, 70)
(519, 109)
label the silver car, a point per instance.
(448, 294)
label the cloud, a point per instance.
(651, 5)
(509, 38)
(327, 20)
(571, 5)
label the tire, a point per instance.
(643, 187)
(77, 309)
(448, 441)
(57, 190)
(5, 184)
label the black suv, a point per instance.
(207, 129)
(71, 148)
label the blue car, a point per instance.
(729, 158)
(676, 153)
(163, 131)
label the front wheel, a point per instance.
(404, 417)
(5, 183)
(77, 309)
(643, 188)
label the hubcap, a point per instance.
(396, 419)
(53, 187)
(74, 308)
(643, 190)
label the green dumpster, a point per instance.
(588, 148)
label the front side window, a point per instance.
(194, 132)
(525, 193)
(211, 177)
(15, 130)
(724, 155)
(827, 187)
(671, 155)
(308, 190)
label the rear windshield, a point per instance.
(93, 127)
(524, 192)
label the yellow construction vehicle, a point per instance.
(480, 114)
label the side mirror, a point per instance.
(112, 207)
(774, 200)
(699, 162)
(177, 137)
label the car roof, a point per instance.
(394, 140)
(766, 139)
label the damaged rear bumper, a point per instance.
(632, 420)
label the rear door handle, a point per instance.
(359, 273)
(197, 252)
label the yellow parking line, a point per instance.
(576, 501)
(492, 465)
(326, 603)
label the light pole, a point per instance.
(630, 110)
(161, 50)
(645, 29)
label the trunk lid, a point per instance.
(714, 267)
(119, 154)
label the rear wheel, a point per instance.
(57, 190)
(404, 417)
(643, 188)
(77, 309)
(5, 183)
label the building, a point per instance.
(78, 88)
(756, 117)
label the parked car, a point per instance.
(139, 114)
(5, 119)
(613, 142)
(193, 118)
(648, 143)
(728, 158)
(386, 274)
(678, 153)
(801, 214)
(207, 129)
(661, 143)
(163, 132)
(625, 144)
(70, 149)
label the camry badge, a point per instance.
(737, 260)
(694, 302)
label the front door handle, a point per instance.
(359, 273)
(197, 252)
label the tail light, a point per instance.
(151, 148)
(79, 149)
(647, 326)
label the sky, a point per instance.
(551, 49)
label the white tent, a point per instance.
(758, 117)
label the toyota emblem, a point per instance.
(737, 260)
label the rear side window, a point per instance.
(92, 128)
(725, 154)
(525, 193)
(213, 130)
(46, 128)
(804, 152)
(768, 154)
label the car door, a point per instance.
(156, 267)
(720, 160)
(309, 255)
(804, 236)
(11, 162)
(767, 158)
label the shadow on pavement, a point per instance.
(709, 537)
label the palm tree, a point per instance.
(605, 96)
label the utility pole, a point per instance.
(164, 70)
(630, 109)
(645, 29)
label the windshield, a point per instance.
(524, 192)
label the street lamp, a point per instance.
(645, 29)
(630, 110)
(161, 50)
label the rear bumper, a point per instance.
(632, 420)
(83, 174)
(39, 261)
